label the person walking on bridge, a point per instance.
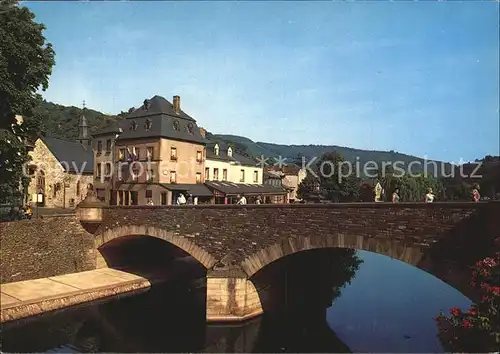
(395, 196)
(475, 194)
(429, 197)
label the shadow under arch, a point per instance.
(295, 293)
(183, 243)
(417, 255)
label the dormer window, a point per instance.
(133, 126)
(190, 127)
(148, 125)
(229, 152)
(176, 125)
(216, 150)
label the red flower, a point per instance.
(485, 298)
(494, 289)
(455, 311)
(473, 311)
(466, 324)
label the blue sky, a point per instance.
(415, 77)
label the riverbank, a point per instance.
(34, 297)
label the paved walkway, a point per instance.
(33, 297)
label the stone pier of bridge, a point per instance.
(235, 242)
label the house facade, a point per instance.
(103, 145)
(223, 164)
(291, 176)
(157, 154)
(230, 175)
(61, 170)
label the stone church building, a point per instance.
(60, 170)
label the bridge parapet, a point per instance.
(235, 242)
(237, 232)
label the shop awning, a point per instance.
(229, 188)
(197, 189)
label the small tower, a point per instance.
(83, 129)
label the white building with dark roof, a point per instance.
(229, 174)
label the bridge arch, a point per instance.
(397, 249)
(182, 242)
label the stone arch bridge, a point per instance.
(235, 242)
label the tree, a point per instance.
(26, 62)
(308, 186)
(337, 177)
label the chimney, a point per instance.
(177, 105)
(203, 132)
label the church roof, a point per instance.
(72, 155)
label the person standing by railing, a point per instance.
(476, 197)
(395, 196)
(429, 197)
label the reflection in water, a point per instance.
(390, 307)
(387, 301)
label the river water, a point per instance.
(387, 307)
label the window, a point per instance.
(242, 175)
(255, 176)
(176, 125)
(190, 127)
(207, 174)
(57, 188)
(173, 177)
(136, 152)
(199, 156)
(229, 152)
(149, 152)
(173, 154)
(40, 182)
(224, 174)
(99, 146)
(149, 193)
(107, 173)
(150, 175)
(147, 125)
(198, 177)
(98, 170)
(216, 174)
(135, 174)
(121, 154)
(108, 145)
(133, 125)
(164, 198)
(216, 150)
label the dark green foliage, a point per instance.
(62, 122)
(26, 62)
(338, 181)
(294, 154)
(308, 187)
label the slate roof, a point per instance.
(223, 156)
(230, 188)
(163, 122)
(288, 169)
(197, 189)
(113, 129)
(71, 153)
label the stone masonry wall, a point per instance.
(242, 231)
(58, 245)
(44, 247)
(45, 161)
